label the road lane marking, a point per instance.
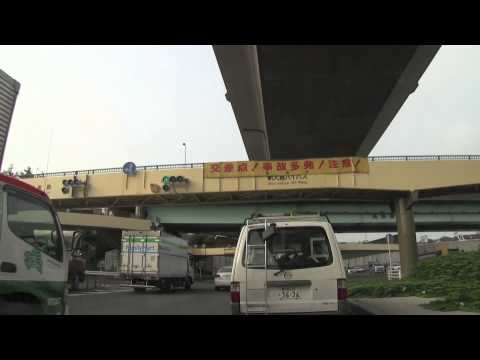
(99, 292)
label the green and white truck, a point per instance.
(155, 259)
(33, 263)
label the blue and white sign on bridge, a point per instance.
(130, 168)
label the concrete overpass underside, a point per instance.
(318, 101)
(345, 216)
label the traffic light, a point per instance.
(169, 180)
(70, 184)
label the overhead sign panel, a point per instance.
(339, 165)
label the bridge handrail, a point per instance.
(423, 157)
(118, 169)
(115, 274)
(199, 165)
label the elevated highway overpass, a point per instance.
(79, 221)
(450, 178)
(348, 250)
(437, 193)
(320, 100)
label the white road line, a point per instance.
(99, 292)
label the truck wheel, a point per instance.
(167, 286)
(140, 290)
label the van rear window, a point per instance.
(289, 248)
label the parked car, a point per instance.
(222, 278)
(356, 269)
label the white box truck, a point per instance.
(151, 259)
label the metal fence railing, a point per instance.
(394, 273)
(423, 157)
(199, 165)
(118, 169)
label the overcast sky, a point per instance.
(105, 105)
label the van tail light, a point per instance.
(235, 292)
(342, 289)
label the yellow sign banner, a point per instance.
(340, 165)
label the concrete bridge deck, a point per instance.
(387, 178)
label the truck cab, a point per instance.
(77, 261)
(33, 263)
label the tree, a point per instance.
(9, 171)
(25, 174)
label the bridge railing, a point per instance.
(423, 157)
(118, 169)
(394, 273)
(199, 165)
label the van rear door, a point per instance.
(301, 274)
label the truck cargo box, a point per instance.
(155, 257)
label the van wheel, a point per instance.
(188, 285)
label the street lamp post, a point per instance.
(389, 256)
(185, 152)
(205, 258)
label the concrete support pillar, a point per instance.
(406, 237)
(139, 212)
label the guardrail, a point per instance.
(98, 279)
(103, 273)
(394, 274)
(199, 165)
(118, 169)
(423, 157)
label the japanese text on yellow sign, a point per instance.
(286, 167)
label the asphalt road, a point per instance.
(201, 299)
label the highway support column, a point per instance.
(139, 212)
(406, 236)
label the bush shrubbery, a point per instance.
(454, 278)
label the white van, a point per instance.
(304, 272)
(33, 265)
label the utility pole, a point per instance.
(185, 152)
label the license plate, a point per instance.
(289, 294)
